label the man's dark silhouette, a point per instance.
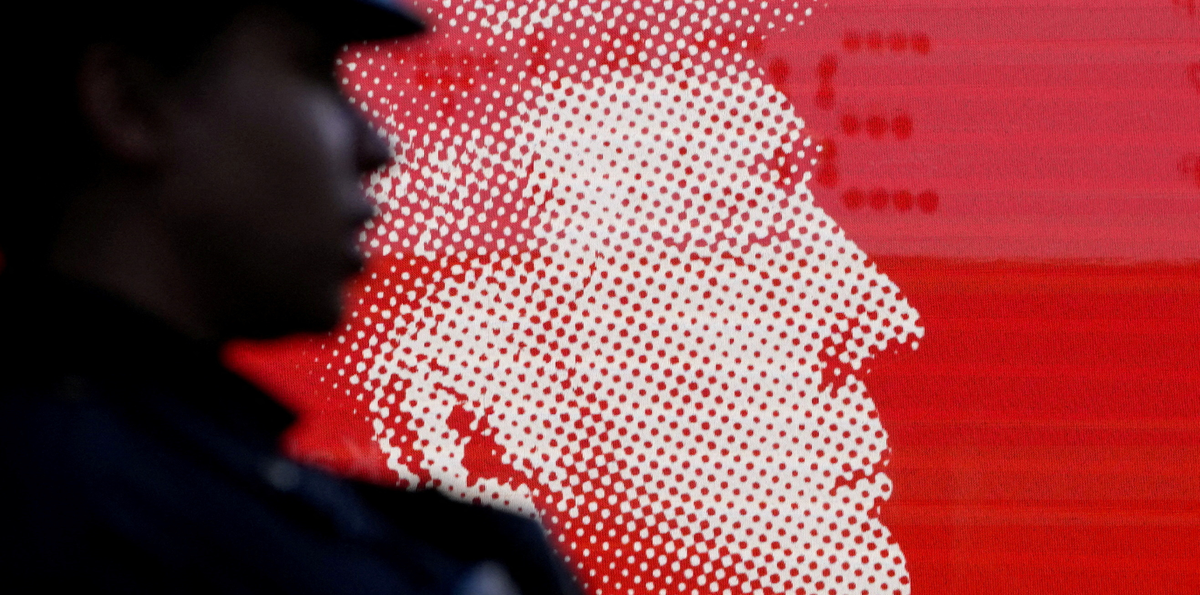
(199, 182)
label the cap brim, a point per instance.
(365, 20)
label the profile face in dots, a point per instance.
(602, 296)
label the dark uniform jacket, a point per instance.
(132, 461)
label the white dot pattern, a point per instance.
(611, 302)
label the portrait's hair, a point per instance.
(55, 152)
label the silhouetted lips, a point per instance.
(355, 261)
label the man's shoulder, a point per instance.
(114, 431)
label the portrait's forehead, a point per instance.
(601, 294)
(461, 101)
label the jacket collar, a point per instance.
(55, 327)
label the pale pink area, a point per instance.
(1047, 129)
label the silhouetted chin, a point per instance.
(285, 319)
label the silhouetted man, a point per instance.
(200, 173)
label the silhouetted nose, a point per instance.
(373, 150)
(371, 153)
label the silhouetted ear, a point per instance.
(119, 96)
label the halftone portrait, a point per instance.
(600, 293)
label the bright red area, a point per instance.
(1046, 435)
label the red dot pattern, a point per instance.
(612, 303)
(878, 41)
(881, 199)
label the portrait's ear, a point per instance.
(120, 100)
